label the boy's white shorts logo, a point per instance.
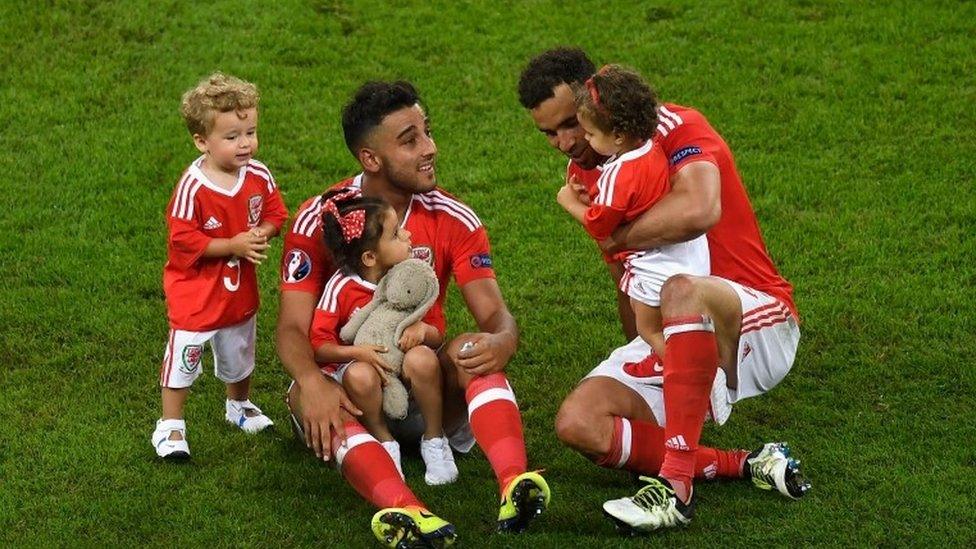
(192, 354)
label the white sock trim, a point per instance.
(350, 443)
(626, 435)
(490, 395)
(706, 325)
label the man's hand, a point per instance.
(483, 353)
(412, 336)
(249, 246)
(370, 354)
(323, 401)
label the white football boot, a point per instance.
(237, 414)
(439, 460)
(166, 448)
(772, 467)
(653, 507)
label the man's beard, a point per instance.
(411, 183)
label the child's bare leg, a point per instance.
(422, 373)
(173, 402)
(649, 325)
(364, 388)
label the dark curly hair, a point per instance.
(347, 255)
(370, 104)
(550, 69)
(618, 100)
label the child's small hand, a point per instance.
(568, 196)
(370, 354)
(249, 246)
(412, 336)
(577, 185)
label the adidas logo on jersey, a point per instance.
(211, 224)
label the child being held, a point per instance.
(366, 240)
(224, 209)
(618, 112)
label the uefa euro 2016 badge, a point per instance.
(423, 253)
(297, 266)
(191, 358)
(254, 207)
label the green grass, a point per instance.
(854, 130)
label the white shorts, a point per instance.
(768, 341)
(233, 351)
(646, 272)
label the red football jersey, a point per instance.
(208, 293)
(343, 296)
(444, 232)
(735, 243)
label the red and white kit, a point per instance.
(444, 232)
(630, 184)
(213, 299)
(737, 255)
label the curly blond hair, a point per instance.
(216, 93)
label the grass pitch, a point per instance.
(853, 128)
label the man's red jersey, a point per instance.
(204, 293)
(735, 243)
(343, 295)
(444, 232)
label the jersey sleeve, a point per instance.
(275, 213)
(686, 144)
(187, 241)
(471, 255)
(305, 263)
(325, 328)
(614, 197)
(329, 319)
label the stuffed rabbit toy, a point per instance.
(403, 296)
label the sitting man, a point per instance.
(387, 131)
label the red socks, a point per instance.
(638, 446)
(497, 425)
(690, 362)
(370, 470)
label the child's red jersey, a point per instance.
(208, 293)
